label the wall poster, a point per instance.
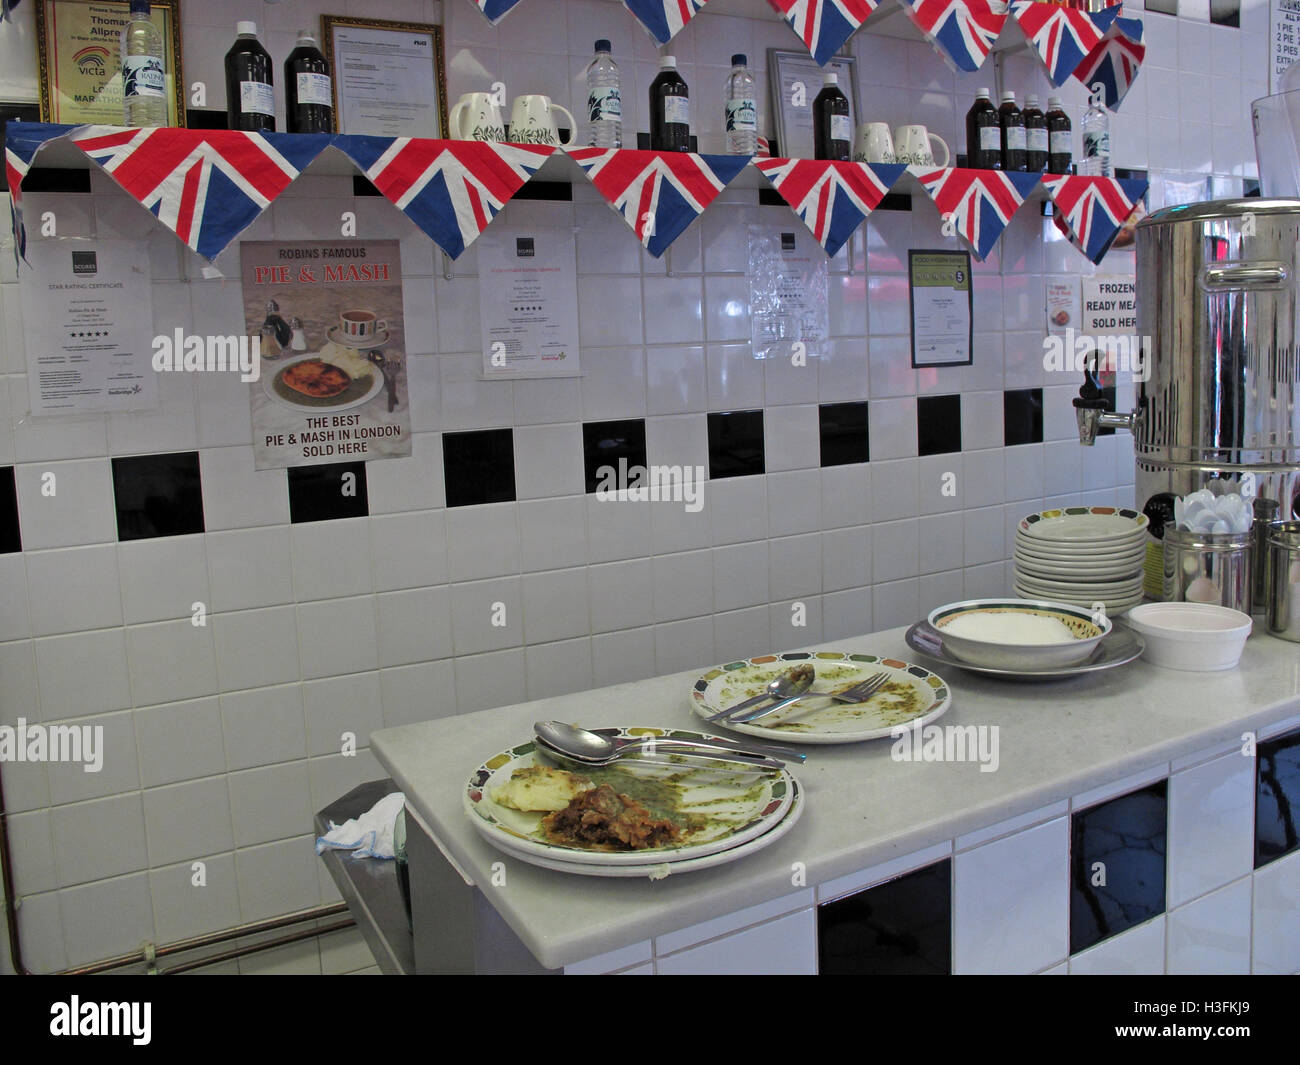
(327, 316)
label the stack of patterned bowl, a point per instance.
(1082, 556)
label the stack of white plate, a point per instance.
(1082, 556)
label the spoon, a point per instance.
(791, 683)
(583, 745)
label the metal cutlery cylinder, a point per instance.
(1209, 568)
(1283, 611)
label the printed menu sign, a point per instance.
(326, 317)
(1284, 40)
(88, 325)
(941, 299)
(528, 302)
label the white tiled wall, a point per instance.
(224, 739)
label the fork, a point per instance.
(859, 693)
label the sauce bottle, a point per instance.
(832, 127)
(1059, 137)
(250, 96)
(1035, 135)
(983, 134)
(308, 97)
(1013, 133)
(670, 109)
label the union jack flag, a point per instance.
(658, 194)
(978, 203)
(832, 198)
(962, 30)
(1091, 210)
(824, 25)
(495, 10)
(1061, 36)
(1115, 60)
(450, 189)
(206, 186)
(663, 18)
(22, 141)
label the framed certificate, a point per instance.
(390, 78)
(79, 57)
(942, 302)
(795, 80)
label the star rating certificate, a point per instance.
(528, 302)
(88, 326)
(942, 304)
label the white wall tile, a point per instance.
(785, 946)
(1211, 826)
(1138, 951)
(73, 589)
(61, 504)
(1211, 936)
(1276, 935)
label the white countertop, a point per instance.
(1056, 740)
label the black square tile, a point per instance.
(1117, 865)
(736, 444)
(1277, 798)
(1022, 416)
(606, 444)
(479, 467)
(158, 495)
(938, 425)
(323, 493)
(11, 537)
(899, 928)
(844, 436)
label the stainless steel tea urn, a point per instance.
(1218, 383)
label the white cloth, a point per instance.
(367, 836)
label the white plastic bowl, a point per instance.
(1000, 655)
(1199, 637)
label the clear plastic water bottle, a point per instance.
(742, 108)
(1096, 136)
(144, 79)
(604, 100)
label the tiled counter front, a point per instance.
(1048, 892)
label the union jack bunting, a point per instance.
(206, 186)
(824, 25)
(1091, 210)
(658, 194)
(22, 141)
(495, 10)
(1061, 36)
(978, 203)
(663, 18)
(963, 31)
(832, 198)
(450, 189)
(1115, 60)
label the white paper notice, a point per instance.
(788, 311)
(386, 83)
(528, 302)
(88, 325)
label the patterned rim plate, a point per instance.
(822, 721)
(689, 865)
(272, 374)
(1068, 554)
(1084, 524)
(1117, 648)
(1114, 604)
(742, 804)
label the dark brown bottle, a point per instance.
(670, 109)
(832, 126)
(1013, 133)
(1035, 136)
(308, 97)
(1059, 137)
(250, 80)
(983, 134)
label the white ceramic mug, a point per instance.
(532, 121)
(873, 143)
(361, 325)
(912, 146)
(476, 117)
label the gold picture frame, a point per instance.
(79, 62)
(401, 93)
